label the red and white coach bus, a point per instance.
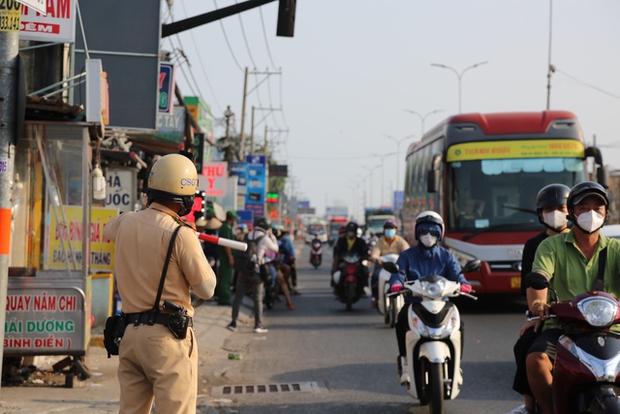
(482, 172)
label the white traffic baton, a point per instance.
(233, 244)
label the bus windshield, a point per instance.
(501, 193)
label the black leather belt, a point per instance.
(144, 317)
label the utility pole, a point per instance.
(266, 151)
(245, 95)
(9, 121)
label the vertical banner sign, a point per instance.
(166, 87)
(256, 184)
(240, 169)
(399, 197)
(10, 15)
(5, 215)
(214, 179)
(55, 26)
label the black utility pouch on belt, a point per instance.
(113, 333)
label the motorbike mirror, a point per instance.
(390, 267)
(472, 266)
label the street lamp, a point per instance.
(382, 156)
(458, 75)
(370, 170)
(398, 142)
(422, 118)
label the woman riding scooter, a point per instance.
(389, 243)
(425, 258)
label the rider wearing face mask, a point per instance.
(427, 257)
(570, 263)
(552, 213)
(389, 243)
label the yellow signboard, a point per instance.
(493, 150)
(101, 249)
(10, 15)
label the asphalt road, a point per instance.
(320, 358)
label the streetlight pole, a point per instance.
(458, 75)
(422, 118)
(370, 170)
(398, 142)
(382, 156)
(550, 67)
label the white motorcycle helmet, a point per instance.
(174, 177)
(431, 217)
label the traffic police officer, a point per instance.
(153, 363)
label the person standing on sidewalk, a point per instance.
(153, 363)
(251, 281)
(227, 262)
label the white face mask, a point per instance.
(590, 221)
(428, 240)
(555, 219)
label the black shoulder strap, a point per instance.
(151, 319)
(600, 276)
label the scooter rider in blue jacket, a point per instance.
(425, 258)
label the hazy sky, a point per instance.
(354, 66)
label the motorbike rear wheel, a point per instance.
(435, 386)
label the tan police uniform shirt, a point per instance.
(141, 242)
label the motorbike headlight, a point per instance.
(598, 311)
(433, 289)
(453, 323)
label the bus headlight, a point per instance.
(463, 258)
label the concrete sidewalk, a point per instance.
(100, 393)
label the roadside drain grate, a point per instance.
(252, 389)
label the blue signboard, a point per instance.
(166, 87)
(245, 216)
(256, 184)
(240, 169)
(399, 197)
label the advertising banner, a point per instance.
(121, 190)
(240, 169)
(57, 26)
(256, 184)
(101, 249)
(166, 87)
(214, 179)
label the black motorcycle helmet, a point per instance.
(262, 222)
(550, 196)
(351, 227)
(583, 190)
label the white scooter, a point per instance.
(386, 305)
(434, 341)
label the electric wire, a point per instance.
(262, 21)
(227, 41)
(202, 66)
(588, 85)
(245, 39)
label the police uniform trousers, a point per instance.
(153, 364)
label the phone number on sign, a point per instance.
(9, 23)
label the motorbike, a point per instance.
(316, 252)
(434, 340)
(349, 291)
(586, 372)
(388, 306)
